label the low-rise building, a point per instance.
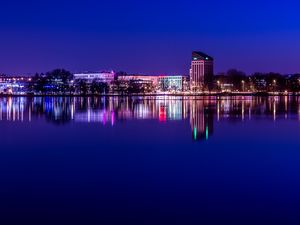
(89, 77)
(140, 78)
(171, 83)
(13, 84)
(159, 83)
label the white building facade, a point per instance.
(105, 77)
(171, 83)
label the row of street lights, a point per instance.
(243, 82)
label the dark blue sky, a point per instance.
(152, 37)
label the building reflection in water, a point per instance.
(199, 112)
(201, 118)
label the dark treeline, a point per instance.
(56, 81)
(131, 87)
(60, 81)
(236, 80)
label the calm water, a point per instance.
(150, 160)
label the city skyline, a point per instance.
(149, 112)
(148, 38)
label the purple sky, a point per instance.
(150, 37)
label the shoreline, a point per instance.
(254, 94)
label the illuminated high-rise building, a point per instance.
(202, 70)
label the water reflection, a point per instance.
(200, 112)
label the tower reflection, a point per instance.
(200, 113)
(201, 119)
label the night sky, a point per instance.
(151, 37)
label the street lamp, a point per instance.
(243, 85)
(218, 83)
(274, 85)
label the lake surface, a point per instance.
(155, 160)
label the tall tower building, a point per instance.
(201, 72)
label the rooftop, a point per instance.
(197, 55)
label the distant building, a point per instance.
(171, 83)
(106, 77)
(185, 83)
(144, 79)
(202, 70)
(160, 83)
(14, 84)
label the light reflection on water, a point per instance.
(134, 161)
(200, 112)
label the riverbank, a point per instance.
(157, 94)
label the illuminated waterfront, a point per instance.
(200, 112)
(168, 159)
